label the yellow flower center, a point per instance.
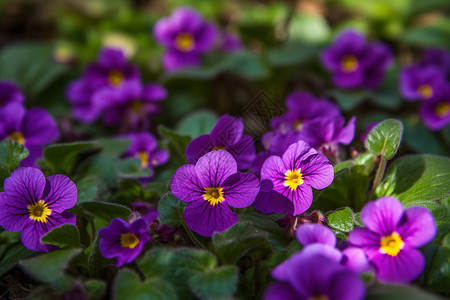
(213, 195)
(184, 42)
(298, 125)
(391, 244)
(425, 91)
(442, 109)
(320, 297)
(219, 148)
(39, 211)
(18, 137)
(349, 64)
(293, 178)
(129, 240)
(136, 106)
(143, 156)
(115, 78)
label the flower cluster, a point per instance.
(428, 81)
(111, 88)
(356, 63)
(35, 205)
(33, 128)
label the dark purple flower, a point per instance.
(33, 128)
(122, 240)
(226, 135)
(420, 82)
(109, 72)
(306, 276)
(356, 63)
(299, 169)
(391, 237)
(131, 104)
(186, 36)
(145, 211)
(10, 93)
(144, 146)
(435, 113)
(439, 58)
(35, 205)
(210, 187)
(312, 233)
(229, 42)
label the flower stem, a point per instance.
(378, 175)
(192, 237)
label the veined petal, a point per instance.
(240, 189)
(214, 167)
(317, 171)
(382, 215)
(296, 153)
(25, 186)
(13, 215)
(60, 193)
(185, 184)
(417, 226)
(39, 127)
(198, 147)
(228, 130)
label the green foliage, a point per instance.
(61, 158)
(197, 123)
(170, 210)
(177, 144)
(106, 211)
(128, 286)
(65, 236)
(11, 256)
(384, 139)
(341, 220)
(216, 283)
(50, 268)
(416, 178)
(401, 292)
(11, 153)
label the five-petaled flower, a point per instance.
(391, 237)
(122, 240)
(292, 175)
(210, 187)
(35, 205)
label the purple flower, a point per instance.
(35, 205)
(391, 237)
(109, 72)
(33, 128)
(435, 113)
(186, 35)
(439, 58)
(293, 174)
(420, 82)
(122, 240)
(226, 135)
(144, 146)
(210, 187)
(10, 93)
(355, 63)
(229, 42)
(130, 105)
(306, 276)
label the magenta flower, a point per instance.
(420, 82)
(109, 72)
(210, 187)
(144, 146)
(355, 63)
(35, 205)
(33, 129)
(10, 93)
(391, 237)
(293, 174)
(439, 58)
(122, 240)
(306, 276)
(186, 35)
(435, 113)
(229, 42)
(226, 135)
(131, 105)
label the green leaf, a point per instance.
(343, 167)
(106, 211)
(417, 178)
(216, 283)
(398, 292)
(87, 190)
(30, 65)
(12, 255)
(384, 139)
(170, 210)
(341, 220)
(49, 268)
(128, 286)
(177, 144)
(95, 289)
(435, 35)
(11, 153)
(131, 168)
(61, 158)
(292, 54)
(197, 123)
(113, 147)
(177, 266)
(96, 261)
(349, 100)
(65, 236)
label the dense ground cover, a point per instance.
(224, 149)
